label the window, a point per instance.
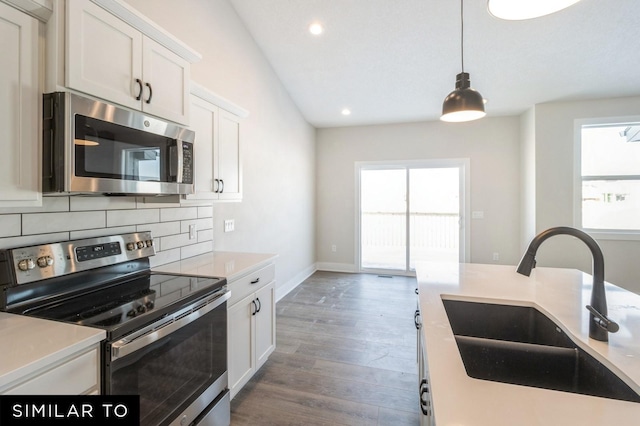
(610, 177)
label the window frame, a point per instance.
(602, 234)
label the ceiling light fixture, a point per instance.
(346, 111)
(515, 10)
(316, 28)
(464, 103)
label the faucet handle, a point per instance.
(602, 320)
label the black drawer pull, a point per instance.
(256, 281)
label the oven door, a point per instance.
(178, 365)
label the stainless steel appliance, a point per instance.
(166, 334)
(91, 147)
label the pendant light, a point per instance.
(515, 10)
(464, 103)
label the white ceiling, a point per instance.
(396, 60)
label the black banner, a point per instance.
(69, 410)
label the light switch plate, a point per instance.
(229, 225)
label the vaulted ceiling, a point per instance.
(396, 60)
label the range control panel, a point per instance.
(35, 263)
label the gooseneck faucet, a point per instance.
(599, 324)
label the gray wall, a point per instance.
(555, 150)
(492, 145)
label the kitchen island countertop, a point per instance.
(32, 344)
(561, 294)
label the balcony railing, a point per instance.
(434, 236)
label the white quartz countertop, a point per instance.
(31, 344)
(229, 265)
(561, 294)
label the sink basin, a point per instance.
(504, 322)
(521, 346)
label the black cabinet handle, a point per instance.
(424, 388)
(150, 93)
(256, 281)
(217, 185)
(222, 181)
(141, 89)
(416, 321)
(416, 291)
(255, 310)
(259, 304)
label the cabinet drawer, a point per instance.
(74, 377)
(246, 285)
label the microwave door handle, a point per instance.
(179, 175)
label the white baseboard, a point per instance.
(336, 267)
(283, 290)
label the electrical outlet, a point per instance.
(229, 225)
(192, 232)
(496, 256)
(334, 248)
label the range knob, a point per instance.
(149, 243)
(131, 246)
(140, 244)
(141, 309)
(132, 313)
(26, 264)
(44, 261)
(149, 304)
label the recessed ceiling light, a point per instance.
(346, 111)
(316, 28)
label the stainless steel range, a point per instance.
(166, 334)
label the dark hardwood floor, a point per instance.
(346, 355)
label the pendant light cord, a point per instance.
(462, 33)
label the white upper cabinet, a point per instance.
(20, 109)
(217, 147)
(108, 58)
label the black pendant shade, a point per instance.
(464, 103)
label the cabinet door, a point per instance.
(229, 160)
(265, 323)
(166, 82)
(103, 54)
(204, 118)
(19, 109)
(240, 340)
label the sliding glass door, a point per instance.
(411, 212)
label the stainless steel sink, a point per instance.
(520, 345)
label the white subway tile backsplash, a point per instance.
(49, 204)
(39, 223)
(33, 240)
(205, 211)
(196, 249)
(78, 235)
(10, 225)
(79, 203)
(173, 241)
(64, 218)
(161, 229)
(132, 217)
(206, 235)
(164, 257)
(179, 213)
(200, 224)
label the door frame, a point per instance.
(464, 167)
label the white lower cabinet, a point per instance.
(77, 375)
(251, 325)
(424, 385)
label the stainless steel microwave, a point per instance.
(91, 147)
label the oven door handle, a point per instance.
(163, 328)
